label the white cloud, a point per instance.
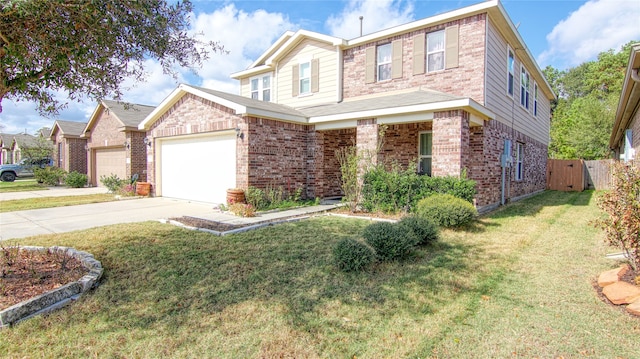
(377, 15)
(244, 36)
(597, 26)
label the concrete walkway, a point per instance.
(21, 224)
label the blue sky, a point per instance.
(560, 33)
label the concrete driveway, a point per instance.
(22, 224)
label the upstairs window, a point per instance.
(510, 72)
(261, 88)
(384, 62)
(305, 78)
(425, 148)
(435, 51)
(525, 88)
(535, 99)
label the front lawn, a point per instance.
(21, 186)
(516, 284)
(50, 202)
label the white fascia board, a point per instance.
(300, 34)
(249, 111)
(281, 40)
(466, 11)
(251, 71)
(92, 118)
(467, 104)
(407, 118)
(337, 125)
(169, 101)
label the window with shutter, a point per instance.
(396, 59)
(384, 62)
(451, 47)
(370, 65)
(435, 51)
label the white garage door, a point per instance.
(110, 161)
(198, 168)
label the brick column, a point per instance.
(450, 143)
(367, 140)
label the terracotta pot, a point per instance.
(235, 195)
(143, 188)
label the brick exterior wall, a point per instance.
(486, 144)
(400, 143)
(107, 132)
(73, 156)
(450, 143)
(328, 180)
(465, 80)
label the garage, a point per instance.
(110, 161)
(198, 168)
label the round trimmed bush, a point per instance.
(76, 180)
(351, 254)
(424, 229)
(446, 210)
(389, 240)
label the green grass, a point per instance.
(49, 202)
(21, 186)
(516, 284)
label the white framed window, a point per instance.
(304, 78)
(519, 161)
(535, 99)
(425, 153)
(510, 71)
(435, 51)
(384, 62)
(261, 88)
(525, 87)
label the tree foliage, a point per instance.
(588, 97)
(90, 47)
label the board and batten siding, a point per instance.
(307, 50)
(508, 107)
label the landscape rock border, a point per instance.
(58, 297)
(619, 292)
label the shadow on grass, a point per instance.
(163, 279)
(532, 205)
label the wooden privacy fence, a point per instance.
(578, 175)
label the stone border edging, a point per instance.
(58, 297)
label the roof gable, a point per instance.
(129, 115)
(68, 128)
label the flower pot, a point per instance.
(143, 188)
(235, 195)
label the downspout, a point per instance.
(635, 74)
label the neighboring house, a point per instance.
(454, 91)
(115, 145)
(625, 137)
(69, 148)
(5, 148)
(19, 143)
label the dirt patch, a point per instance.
(25, 274)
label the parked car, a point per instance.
(24, 168)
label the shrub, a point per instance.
(351, 255)
(112, 182)
(389, 240)
(127, 190)
(622, 206)
(391, 189)
(255, 197)
(76, 180)
(446, 210)
(424, 229)
(242, 209)
(50, 176)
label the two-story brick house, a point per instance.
(454, 91)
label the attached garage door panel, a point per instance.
(198, 169)
(110, 161)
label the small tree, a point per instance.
(622, 205)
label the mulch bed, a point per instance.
(25, 274)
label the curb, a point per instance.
(58, 297)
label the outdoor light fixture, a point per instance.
(239, 134)
(86, 147)
(127, 145)
(147, 142)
